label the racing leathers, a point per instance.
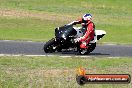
(88, 32)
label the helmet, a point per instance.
(87, 17)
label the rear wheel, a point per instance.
(49, 47)
(91, 48)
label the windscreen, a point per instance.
(63, 31)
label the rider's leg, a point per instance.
(83, 45)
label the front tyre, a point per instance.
(49, 46)
(59, 49)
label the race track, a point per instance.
(36, 48)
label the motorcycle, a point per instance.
(64, 40)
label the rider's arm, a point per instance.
(76, 22)
(89, 30)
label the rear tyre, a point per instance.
(49, 46)
(91, 48)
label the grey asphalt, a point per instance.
(36, 48)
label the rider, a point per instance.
(87, 29)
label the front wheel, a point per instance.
(49, 46)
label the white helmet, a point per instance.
(87, 17)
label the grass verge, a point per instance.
(36, 19)
(58, 72)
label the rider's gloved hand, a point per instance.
(76, 40)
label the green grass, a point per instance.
(58, 72)
(36, 20)
(113, 16)
(25, 29)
